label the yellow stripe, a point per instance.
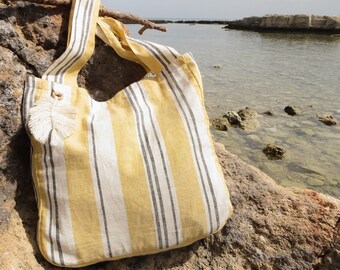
(190, 201)
(38, 174)
(133, 176)
(191, 70)
(129, 50)
(86, 228)
(39, 181)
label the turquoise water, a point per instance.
(268, 71)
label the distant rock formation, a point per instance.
(302, 23)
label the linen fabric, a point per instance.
(139, 175)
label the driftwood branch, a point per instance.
(121, 16)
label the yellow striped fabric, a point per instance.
(139, 175)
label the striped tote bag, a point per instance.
(134, 175)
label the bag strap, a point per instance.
(153, 57)
(81, 43)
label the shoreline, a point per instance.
(274, 23)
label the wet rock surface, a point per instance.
(233, 118)
(220, 124)
(249, 119)
(274, 152)
(269, 113)
(293, 110)
(327, 119)
(245, 119)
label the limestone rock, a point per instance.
(327, 119)
(249, 121)
(233, 118)
(269, 113)
(272, 227)
(219, 124)
(300, 22)
(274, 152)
(247, 113)
(293, 110)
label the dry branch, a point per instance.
(121, 16)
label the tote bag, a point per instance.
(134, 175)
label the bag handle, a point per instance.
(81, 43)
(113, 34)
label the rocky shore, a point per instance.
(272, 227)
(292, 23)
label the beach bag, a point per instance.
(134, 175)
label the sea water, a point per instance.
(268, 71)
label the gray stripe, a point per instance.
(196, 133)
(99, 182)
(56, 204)
(163, 161)
(25, 99)
(154, 168)
(159, 51)
(147, 165)
(173, 54)
(50, 202)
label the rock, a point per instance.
(249, 121)
(327, 119)
(272, 227)
(219, 124)
(269, 113)
(247, 113)
(293, 110)
(315, 182)
(217, 66)
(245, 119)
(233, 118)
(274, 152)
(298, 23)
(250, 124)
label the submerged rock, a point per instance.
(249, 121)
(327, 119)
(293, 110)
(274, 152)
(233, 118)
(219, 124)
(247, 114)
(269, 113)
(245, 119)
